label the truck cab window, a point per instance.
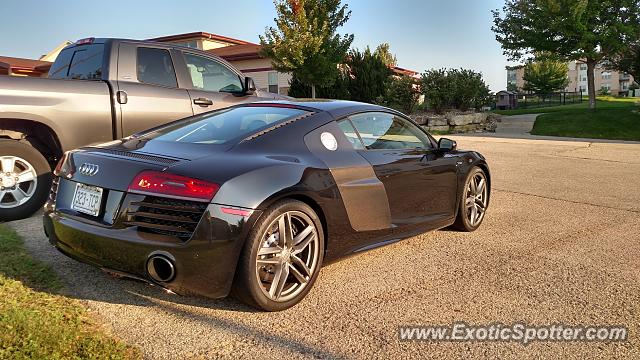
(210, 75)
(155, 67)
(79, 63)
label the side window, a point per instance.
(155, 67)
(387, 131)
(272, 78)
(351, 134)
(210, 75)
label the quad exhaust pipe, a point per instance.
(161, 269)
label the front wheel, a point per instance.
(281, 258)
(473, 202)
(25, 180)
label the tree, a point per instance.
(368, 75)
(436, 89)
(362, 77)
(383, 51)
(460, 89)
(628, 60)
(468, 90)
(401, 94)
(338, 90)
(305, 41)
(545, 76)
(591, 31)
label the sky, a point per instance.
(423, 34)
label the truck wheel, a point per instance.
(25, 180)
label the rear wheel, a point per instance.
(473, 202)
(281, 258)
(25, 180)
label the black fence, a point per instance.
(553, 99)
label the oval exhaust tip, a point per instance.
(161, 269)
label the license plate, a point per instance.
(87, 199)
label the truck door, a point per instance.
(212, 85)
(148, 92)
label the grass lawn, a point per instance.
(37, 323)
(615, 119)
(603, 102)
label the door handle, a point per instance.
(203, 101)
(122, 97)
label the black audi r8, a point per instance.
(253, 199)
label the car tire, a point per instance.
(21, 196)
(265, 255)
(473, 201)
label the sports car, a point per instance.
(253, 199)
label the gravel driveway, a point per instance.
(560, 244)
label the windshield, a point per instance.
(221, 126)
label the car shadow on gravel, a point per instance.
(94, 285)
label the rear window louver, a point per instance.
(277, 126)
(137, 156)
(172, 217)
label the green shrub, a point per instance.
(459, 89)
(402, 93)
(604, 91)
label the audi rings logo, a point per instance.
(88, 169)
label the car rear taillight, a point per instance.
(64, 166)
(174, 185)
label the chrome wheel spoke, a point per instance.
(8, 164)
(25, 176)
(271, 250)
(2, 194)
(303, 239)
(480, 187)
(285, 229)
(304, 269)
(279, 281)
(302, 279)
(268, 261)
(474, 214)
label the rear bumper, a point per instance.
(205, 265)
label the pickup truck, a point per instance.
(99, 90)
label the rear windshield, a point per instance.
(221, 126)
(82, 62)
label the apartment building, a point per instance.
(616, 82)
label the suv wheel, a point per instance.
(25, 180)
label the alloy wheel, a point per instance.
(18, 181)
(288, 256)
(476, 198)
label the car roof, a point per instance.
(337, 108)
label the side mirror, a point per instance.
(249, 86)
(445, 144)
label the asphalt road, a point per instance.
(560, 244)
